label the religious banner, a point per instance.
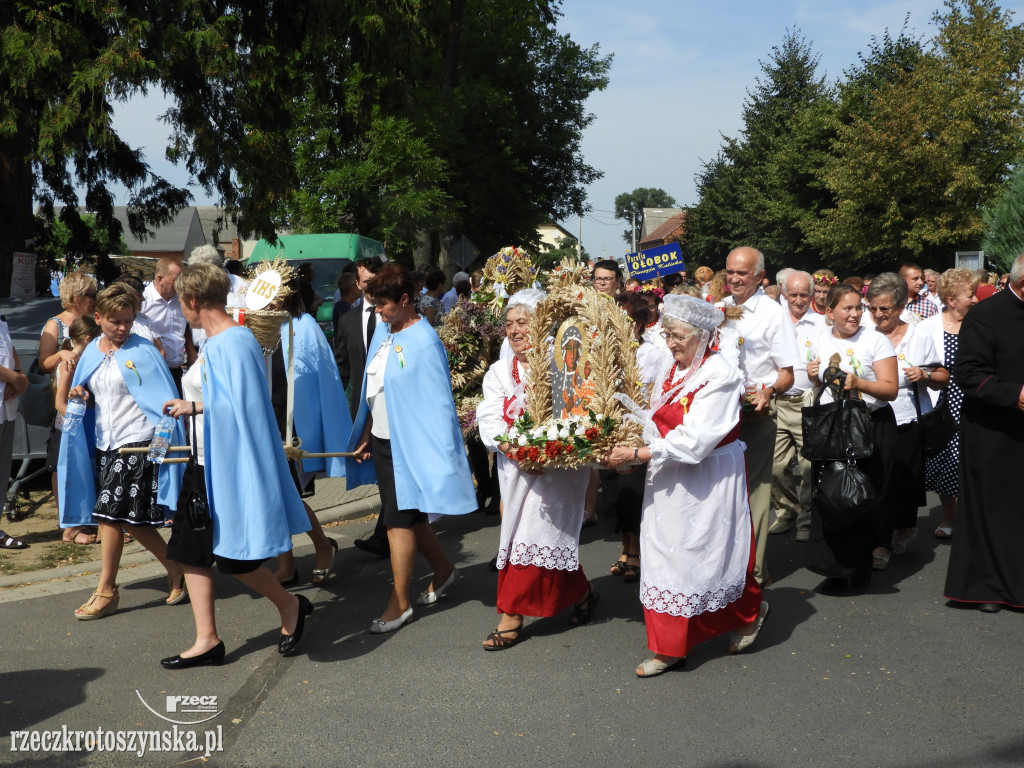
(23, 278)
(572, 415)
(655, 262)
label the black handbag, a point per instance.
(843, 494)
(839, 430)
(192, 498)
(938, 426)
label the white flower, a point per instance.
(563, 432)
(522, 440)
(553, 433)
(600, 417)
(513, 433)
(581, 431)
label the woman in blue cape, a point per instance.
(125, 381)
(408, 424)
(320, 416)
(253, 505)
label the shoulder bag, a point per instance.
(839, 430)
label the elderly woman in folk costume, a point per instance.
(696, 538)
(538, 558)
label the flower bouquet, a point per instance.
(560, 443)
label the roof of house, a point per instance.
(654, 218)
(218, 227)
(170, 237)
(666, 229)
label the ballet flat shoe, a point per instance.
(211, 658)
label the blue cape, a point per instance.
(321, 412)
(431, 469)
(151, 388)
(255, 507)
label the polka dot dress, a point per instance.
(940, 473)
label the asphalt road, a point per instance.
(891, 677)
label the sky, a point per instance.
(679, 77)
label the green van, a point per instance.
(328, 254)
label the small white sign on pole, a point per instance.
(23, 277)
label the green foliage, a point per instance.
(67, 240)
(629, 206)
(1003, 240)
(928, 144)
(62, 65)
(550, 258)
(762, 186)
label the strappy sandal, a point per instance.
(583, 612)
(631, 572)
(9, 542)
(89, 610)
(498, 640)
(175, 594)
(619, 566)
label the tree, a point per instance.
(629, 206)
(930, 146)
(70, 239)
(61, 67)
(762, 186)
(550, 257)
(1003, 240)
(281, 107)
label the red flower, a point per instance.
(532, 454)
(552, 449)
(593, 433)
(569, 448)
(509, 455)
(521, 454)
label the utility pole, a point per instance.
(579, 238)
(633, 230)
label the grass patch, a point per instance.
(63, 553)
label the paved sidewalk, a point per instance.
(333, 503)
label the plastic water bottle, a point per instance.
(73, 415)
(161, 439)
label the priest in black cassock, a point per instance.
(986, 564)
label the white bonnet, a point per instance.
(528, 298)
(694, 311)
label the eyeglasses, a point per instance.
(880, 310)
(670, 337)
(1001, 283)
(603, 280)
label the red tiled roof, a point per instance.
(666, 230)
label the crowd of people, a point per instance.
(730, 364)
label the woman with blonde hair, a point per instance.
(124, 381)
(78, 299)
(956, 288)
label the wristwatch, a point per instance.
(636, 454)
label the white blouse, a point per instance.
(375, 391)
(119, 420)
(856, 354)
(916, 348)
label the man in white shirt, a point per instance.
(793, 504)
(161, 305)
(764, 345)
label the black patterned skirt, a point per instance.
(128, 485)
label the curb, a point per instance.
(352, 510)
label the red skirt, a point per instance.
(676, 635)
(530, 590)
